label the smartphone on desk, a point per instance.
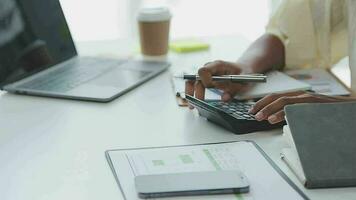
(191, 183)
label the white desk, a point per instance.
(54, 149)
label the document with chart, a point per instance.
(265, 178)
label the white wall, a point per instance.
(110, 19)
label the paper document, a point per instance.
(277, 82)
(321, 81)
(265, 182)
(186, 160)
(292, 160)
(179, 88)
(290, 155)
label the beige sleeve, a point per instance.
(292, 23)
(338, 31)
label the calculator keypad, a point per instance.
(239, 110)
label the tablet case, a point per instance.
(325, 140)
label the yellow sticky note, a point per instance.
(185, 46)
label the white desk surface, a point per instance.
(54, 149)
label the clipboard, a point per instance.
(267, 181)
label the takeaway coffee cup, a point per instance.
(153, 26)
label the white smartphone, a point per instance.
(191, 183)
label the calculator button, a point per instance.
(238, 116)
(238, 110)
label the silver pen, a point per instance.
(233, 78)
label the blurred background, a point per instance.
(112, 19)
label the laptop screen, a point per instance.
(34, 35)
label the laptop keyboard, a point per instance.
(71, 75)
(239, 110)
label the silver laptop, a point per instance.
(38, 57)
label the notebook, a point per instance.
(322, 140)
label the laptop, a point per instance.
(38, 57)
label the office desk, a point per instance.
(54, 149)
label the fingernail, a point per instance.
(259, 116)
(272, 119)
(226, 97)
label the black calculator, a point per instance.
(232, 115)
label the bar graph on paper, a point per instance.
(187, 160)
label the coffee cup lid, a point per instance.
(154, 14)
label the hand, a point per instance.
(271, 107)
(197, 88)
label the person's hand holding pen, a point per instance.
(216, 68)
(263, 55)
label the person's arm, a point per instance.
(266, 53)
